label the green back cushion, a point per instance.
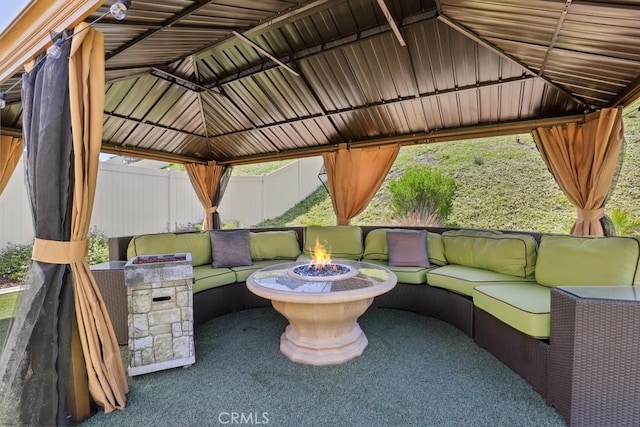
(511, 254)
(198, 244)
(584, 261)
(341, 241)
(375, 246)
(274, 245)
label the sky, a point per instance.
(10, 9)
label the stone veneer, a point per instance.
(160, 300)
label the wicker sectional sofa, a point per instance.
(495, 286)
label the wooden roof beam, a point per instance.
(28, 34)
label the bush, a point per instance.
(624, 223)
(15, 258)
(189, 226)
(14, 261)
(422, 192)
(98, 250)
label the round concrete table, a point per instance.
(322, 314)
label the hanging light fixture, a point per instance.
(3, 101)
(119, 9)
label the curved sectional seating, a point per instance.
(495, 286)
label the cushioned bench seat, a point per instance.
(462, 279)
(562, 261)
(408, 275)
(243, 272)
(206, 277)
(522, 306)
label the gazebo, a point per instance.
(213, 84)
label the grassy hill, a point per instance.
(502, 183)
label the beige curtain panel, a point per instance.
(583, 159)
(355, 176)
(205, 180)
(106, 377)
(10, 152)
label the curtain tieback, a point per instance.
(590, 214)
(212, 209)
(55, 252)
(344, 221)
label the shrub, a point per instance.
(422, 192)
(189, 226)
(624, 223)
(415, 219)
(15, 258)
(98, 250)
(14, 261)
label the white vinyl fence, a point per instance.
(136, 200)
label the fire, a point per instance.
(320, 256)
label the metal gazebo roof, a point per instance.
(245, 81)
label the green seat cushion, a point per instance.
(408, 275)
(207, 277)
(462, 279)
(341, 241)
(197, 244)
(243, 272)
(510, 254)
(525, 307)
(376, 248)
(274, 245)
(585, 261)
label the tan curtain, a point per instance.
(355, 176)
(583, 159)
(205, 180)
(106, 377)
(10, 152)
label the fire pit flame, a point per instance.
(321, 267)
(320, 256)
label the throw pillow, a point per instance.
(408, 248)
(230, 248)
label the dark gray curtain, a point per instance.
(34, 365)
(218, 196)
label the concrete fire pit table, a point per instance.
(322, 311)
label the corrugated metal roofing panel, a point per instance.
(478, 64)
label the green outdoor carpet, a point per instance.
(415, 371)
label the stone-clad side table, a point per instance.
(160, 302)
